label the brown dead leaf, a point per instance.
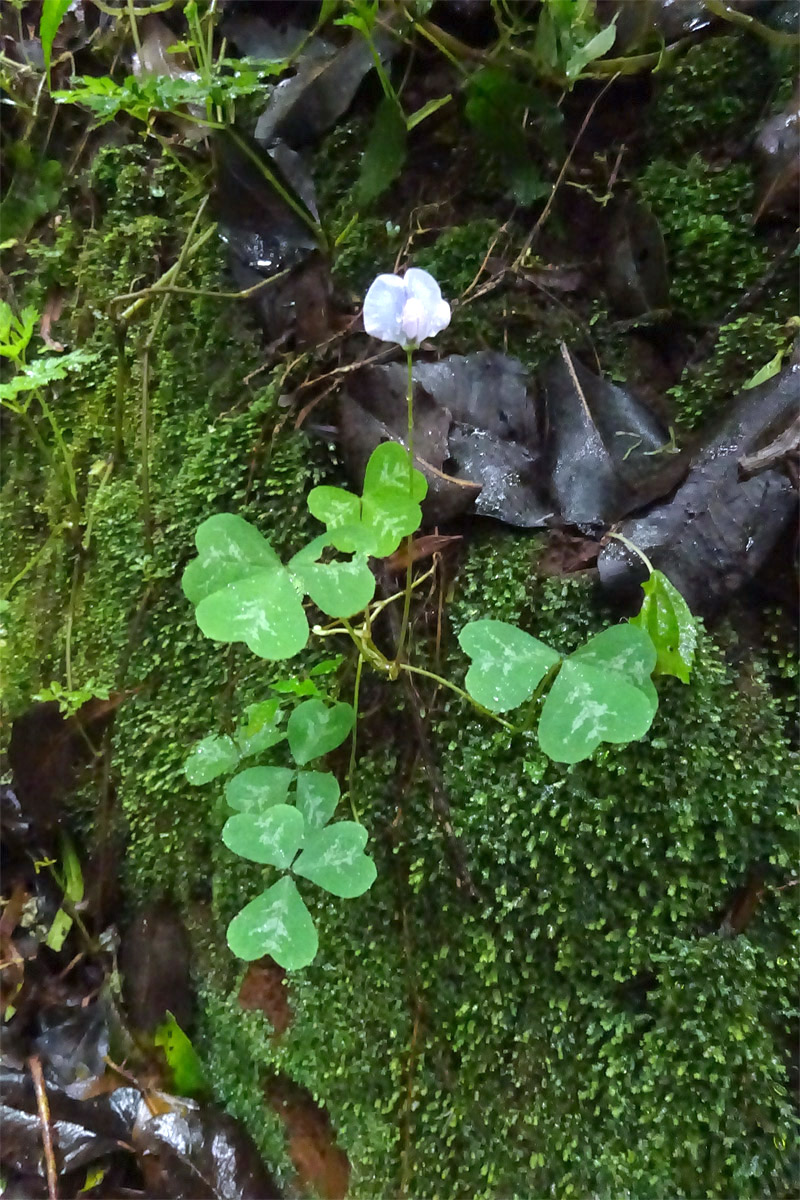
(319, 1162)
(421, 548)
(264, 988)
(52, 311)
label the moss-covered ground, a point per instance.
(584, 1027)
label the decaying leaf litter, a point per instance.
(513, 460)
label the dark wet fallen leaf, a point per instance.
(260, 228)
(155, 39)
(474, 428)
(254, 34)
(319, 1162)
(636, 261)
(718, 530)
(182, 1150)
(647, 22)
(743, 904)
(74, 1045)
(510, 476)
(155, 966)
(777, 151)
(486, 390)
(186, 1151)
(373, 410)
(264, 988)
(52, 311)
(266, 238)
(83, 1130)
(303, 107)
(599, 444)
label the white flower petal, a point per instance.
(414, 321)
(439, 319)
(383, 308)
(422, 287)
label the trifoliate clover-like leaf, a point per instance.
(272, 836)
(258, 788)
(228, 549)
(667, 619)
(334, 859)
(263, 611)
(334, 506)
(339, 589)
(276, 923)
(507, 663)
(602, 693)
(315, 728)
(317, 797)
(210, 758)
(387, 470)
(242, 592)
(389, 516)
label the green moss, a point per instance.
(704, 213)
(741, 348)
(579, 1030)
(713, 94)
(531, 1043)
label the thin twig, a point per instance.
(43, 1108)
(545, 213)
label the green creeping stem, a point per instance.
(410, 541)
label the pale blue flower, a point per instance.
(405, 310)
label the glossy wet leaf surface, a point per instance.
(334, 859)
(209, 758)
(667, 619)
(257, 788)
(317, 796)
(316, 728)
(507, 663)
(272, 836)
(602, 693)
(278, 923)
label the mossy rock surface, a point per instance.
(587, 1026)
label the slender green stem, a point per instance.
(167, 277)
(104, 478)
(123, 379)
(619, 537)
(147, 519)
(459, 692)
(65, 454)
(298, 209)
(351, 770)
(168, 289)
(410, 539)
(31, 563)
(135, 31)
(410, 414)
(73, 600)
(774, 37)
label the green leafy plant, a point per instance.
(281, 819)
(242, 592)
